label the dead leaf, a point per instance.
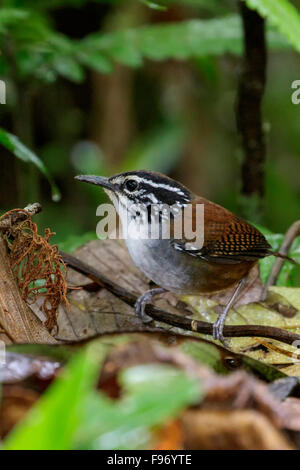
(16, 402)
(99, 312)
(222, 393)
(291, 413)
(282, 388)
(231, 430)
(170, 437)
(237, 390)
(268, 351)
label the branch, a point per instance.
(18, 215)
(177, 320)
(250, 95)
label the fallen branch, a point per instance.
(177, 320)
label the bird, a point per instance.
(227, 251)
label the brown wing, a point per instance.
(227, 238)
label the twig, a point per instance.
(15, 217)
(177, 320)
(291, 234)
(250, 95)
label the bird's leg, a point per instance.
(218, 326)
(145, 299)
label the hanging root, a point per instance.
(39, 268)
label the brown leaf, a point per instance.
(100, 312)
(280, 304)
(231, 430)
(16, 402)
(241, 391)
(237, 390)
(290, 409)
(170, 437)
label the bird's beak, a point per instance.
(97, 180)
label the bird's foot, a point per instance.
(143, 300)
(218, 328)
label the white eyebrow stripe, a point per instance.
(164, 186)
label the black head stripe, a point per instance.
(155, 188)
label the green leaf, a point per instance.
(11, 16)
(221, 362)
(146, 402)
(205, 353)
(45, 53)
(283, 15)
(96, 61)
(181, 41)
(39, 49)
(154, 5)
(73, 415)
(68, 68)
(52, 422)
(286, 274)
(14, 145)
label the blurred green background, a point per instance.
(87, 99)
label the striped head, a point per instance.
(141, 187)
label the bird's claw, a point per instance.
(218, 328)
(145, 299)
(140, 307)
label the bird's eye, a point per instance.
(131, 185)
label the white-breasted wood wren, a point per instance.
(229, 247)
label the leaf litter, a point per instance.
(236, 393)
